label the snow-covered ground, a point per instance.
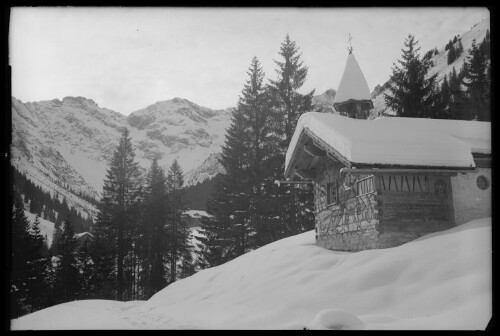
(440, 281)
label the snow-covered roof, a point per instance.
(352, 84)
(79, 235)
(394, 141)
(196, 213)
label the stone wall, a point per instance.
(471, 202)
(351, 223)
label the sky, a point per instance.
(126, 59)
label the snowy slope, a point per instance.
(68, 143)
(440, 61)
(182, 130)
(206, 170)
(440, 281)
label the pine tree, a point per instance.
(216, 236)
(116, 219)
(154, 233)
(84, 265)
(20, 257)
(293, 204)
(66, 271)
(261, 140)
(179, 242)
(292, 74)
(445, 94)
(412, 94)
(451, 54)
(36, 282)
(478, 88)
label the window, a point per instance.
(332, 192)
(482, 182)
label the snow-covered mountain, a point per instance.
(65, 146)
(441, 281)
(440, 65)
(182, 130)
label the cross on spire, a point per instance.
(349, 48)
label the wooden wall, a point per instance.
(411, 206)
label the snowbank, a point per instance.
(439, 281)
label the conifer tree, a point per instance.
(179, 239)
(451, 54)
(478, 88)
(116, 219)
(444, 111)
(154, 233)
(292, 74)
(261, 140)
(84, 264)
(35, 267)
(20, 257)
(412, 94)
(296, 203)
(66, 271)
(216, 238)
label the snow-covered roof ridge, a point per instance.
(353, 85)
(81, 234)
(396, 141)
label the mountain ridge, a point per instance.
(69, 142)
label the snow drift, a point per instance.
(439, 281)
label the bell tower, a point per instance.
(353, 95)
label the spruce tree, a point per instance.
(66, 271)
(20, 258)
(445, 94)
(261, 140)
(154, 234)
(216, 236)
(412, 94)
(478, 87)
(293, 204)
(116, 219)
(292, 74)
(36, 272)
(179, 239)
(451, 54)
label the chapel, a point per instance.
(384, 182)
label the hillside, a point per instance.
(440, 65)
(65, 146)
(440, 281)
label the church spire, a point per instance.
(349, 48)
(353, 95)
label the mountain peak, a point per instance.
(80, 101)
